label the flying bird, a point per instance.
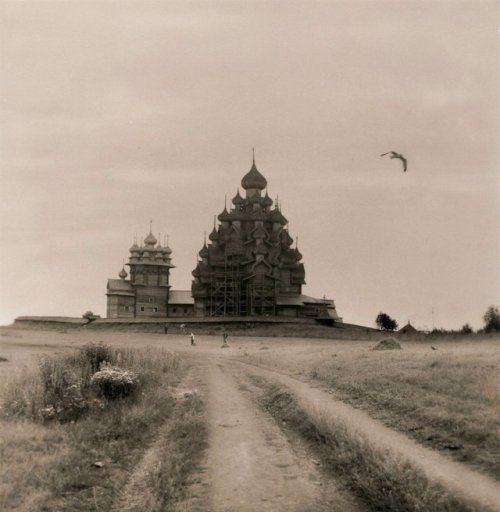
(397, 155)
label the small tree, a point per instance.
(385, 322)
(492, 319)
(466, 329)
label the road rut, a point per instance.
(250, 463)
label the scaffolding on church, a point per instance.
(262, 295)
(227, 293)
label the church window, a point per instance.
(155, 310)
(142, 308)
(174, 310)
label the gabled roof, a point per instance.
(408, 328)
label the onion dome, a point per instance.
(298, 255)
(267, 200)
(123, 274)
(224, 216)
(204, 251)
(237, 199)
(134, 248)
(150, 239)
(214, 236)
(254, 179)
(277, 216)
(196, 272)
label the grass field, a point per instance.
(448, 398)
(381, 479)
(70, 445)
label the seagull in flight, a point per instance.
(397, 155)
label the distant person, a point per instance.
(225, 336)
(165, 328)
(192, 340)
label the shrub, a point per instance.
(62, 391)
(112, 382)
(96, 354)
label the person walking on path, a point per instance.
(225, 336)
(165, 327)
(192, 340)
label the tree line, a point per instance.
(491, 323)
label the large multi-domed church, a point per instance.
(248, 268)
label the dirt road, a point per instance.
(251, 465)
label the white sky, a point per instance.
(115, 113)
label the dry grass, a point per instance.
(451, 403)
(384, 481)
(448, 399)
(160, 483)
(50, 464)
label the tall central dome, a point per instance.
(253, 179)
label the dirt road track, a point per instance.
(453, 475)
(251, 465)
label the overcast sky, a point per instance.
(117, 113)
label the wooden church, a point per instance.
(248, 268)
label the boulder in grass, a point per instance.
(387, 344)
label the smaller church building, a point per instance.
(147, 292)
